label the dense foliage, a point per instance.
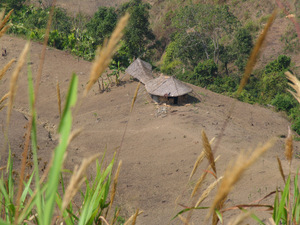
(82, 36)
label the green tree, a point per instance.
(137, 33)
(61, 21)
(243, 45)
(204, 25)
(204, 73)
(102, 24)
(12, 4)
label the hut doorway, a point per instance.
(176, 100)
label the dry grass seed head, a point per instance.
(115, 217)
(201, 179)
(77, 179)
(240, 218)
(254, 54)
(135, 216)
(74, 134)
(185, 220)
(3, 106)
(295, 85)
(4, 97)
(113, 191)
(207, 191)
(104, 56)
(280, 169)
(208, 152)
(199, 160)
(2, 13)
(5, 68)
(13, 81)
(135, 95)
(3, 31)
(58, 99)
(234, 173)
(289, 147)
(4, 21)
(132, 217)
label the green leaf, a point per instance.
(188, 209)
(254, 217)
(282, 214)
(219, 215)
(64, 130)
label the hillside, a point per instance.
(159, 150)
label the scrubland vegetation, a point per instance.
(200, 50)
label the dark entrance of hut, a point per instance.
(175, 100)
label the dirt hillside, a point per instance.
(161, 142)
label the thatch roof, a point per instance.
(167, 85)
(140, 70)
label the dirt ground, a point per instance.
(161, 142)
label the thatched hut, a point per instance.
(140, 70)
(166, 89)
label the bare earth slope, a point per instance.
(159, 150)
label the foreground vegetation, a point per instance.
(37, 205)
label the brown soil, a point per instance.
(159, 150)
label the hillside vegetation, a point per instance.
(204, 44)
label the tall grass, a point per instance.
(37, 205)
(39, 196)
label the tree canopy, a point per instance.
(204, 25)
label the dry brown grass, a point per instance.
(295, 85)
(208, 152)
(4, 97)
(235, 171)
(5, 68)
(280, 169)
(6, 18)
(240, 218)
(114, 188)
(201, 179)
(255, 53)
(77, 179)
(208, 190)
(58, 99)
(132, 219)
(135, 95)
(14, 79)
(289, 147)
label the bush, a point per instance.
(204, 73)
(283, 102)
(296, 125)
(272, 84)
(12, 4)
(102, 24)
(223, 84)
(280, 64)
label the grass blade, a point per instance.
(64, 130)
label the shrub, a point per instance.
(223, 84)
(283, 102)
(296, 125)
(280, 64)
(272, 84)
(102, 24)
(204, 73)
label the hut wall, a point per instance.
(182, 99)
(160, 99)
